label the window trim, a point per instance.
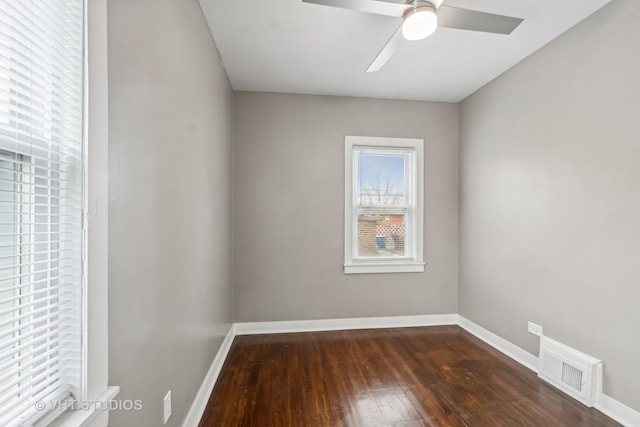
(402, 265)
(93, 410)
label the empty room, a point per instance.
(319, 213)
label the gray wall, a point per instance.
(550, 197)
(288, 174)
(169, 213)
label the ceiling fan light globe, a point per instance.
(419, 23)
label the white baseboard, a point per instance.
(202, 398)
(513, 351)
(618, 411)
(607, 405)
(254, 328)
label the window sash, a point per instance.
(385, 188)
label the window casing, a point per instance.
(383, 205)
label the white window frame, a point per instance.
(93, 411)
(414, 264)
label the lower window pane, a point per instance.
(381, 236)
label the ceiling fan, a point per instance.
(420, 18)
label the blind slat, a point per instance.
(48, 295)
(34, 343)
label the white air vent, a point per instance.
(573, 372)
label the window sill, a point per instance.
(86, 417)
(368, 268)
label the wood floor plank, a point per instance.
(431, 376)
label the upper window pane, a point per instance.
(381, 177)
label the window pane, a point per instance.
(381, 236)
(381, 178)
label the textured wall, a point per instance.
(288, 178)
(550, 197)
(169, 213)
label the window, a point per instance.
(383, 205)
(41, 206)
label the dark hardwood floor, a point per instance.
(431, 376)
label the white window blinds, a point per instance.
(41, 205)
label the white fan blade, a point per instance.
(463, 19)
(387, 51)
(369, 6)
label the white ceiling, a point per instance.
(295, 47)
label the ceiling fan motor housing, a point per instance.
(420, 20)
